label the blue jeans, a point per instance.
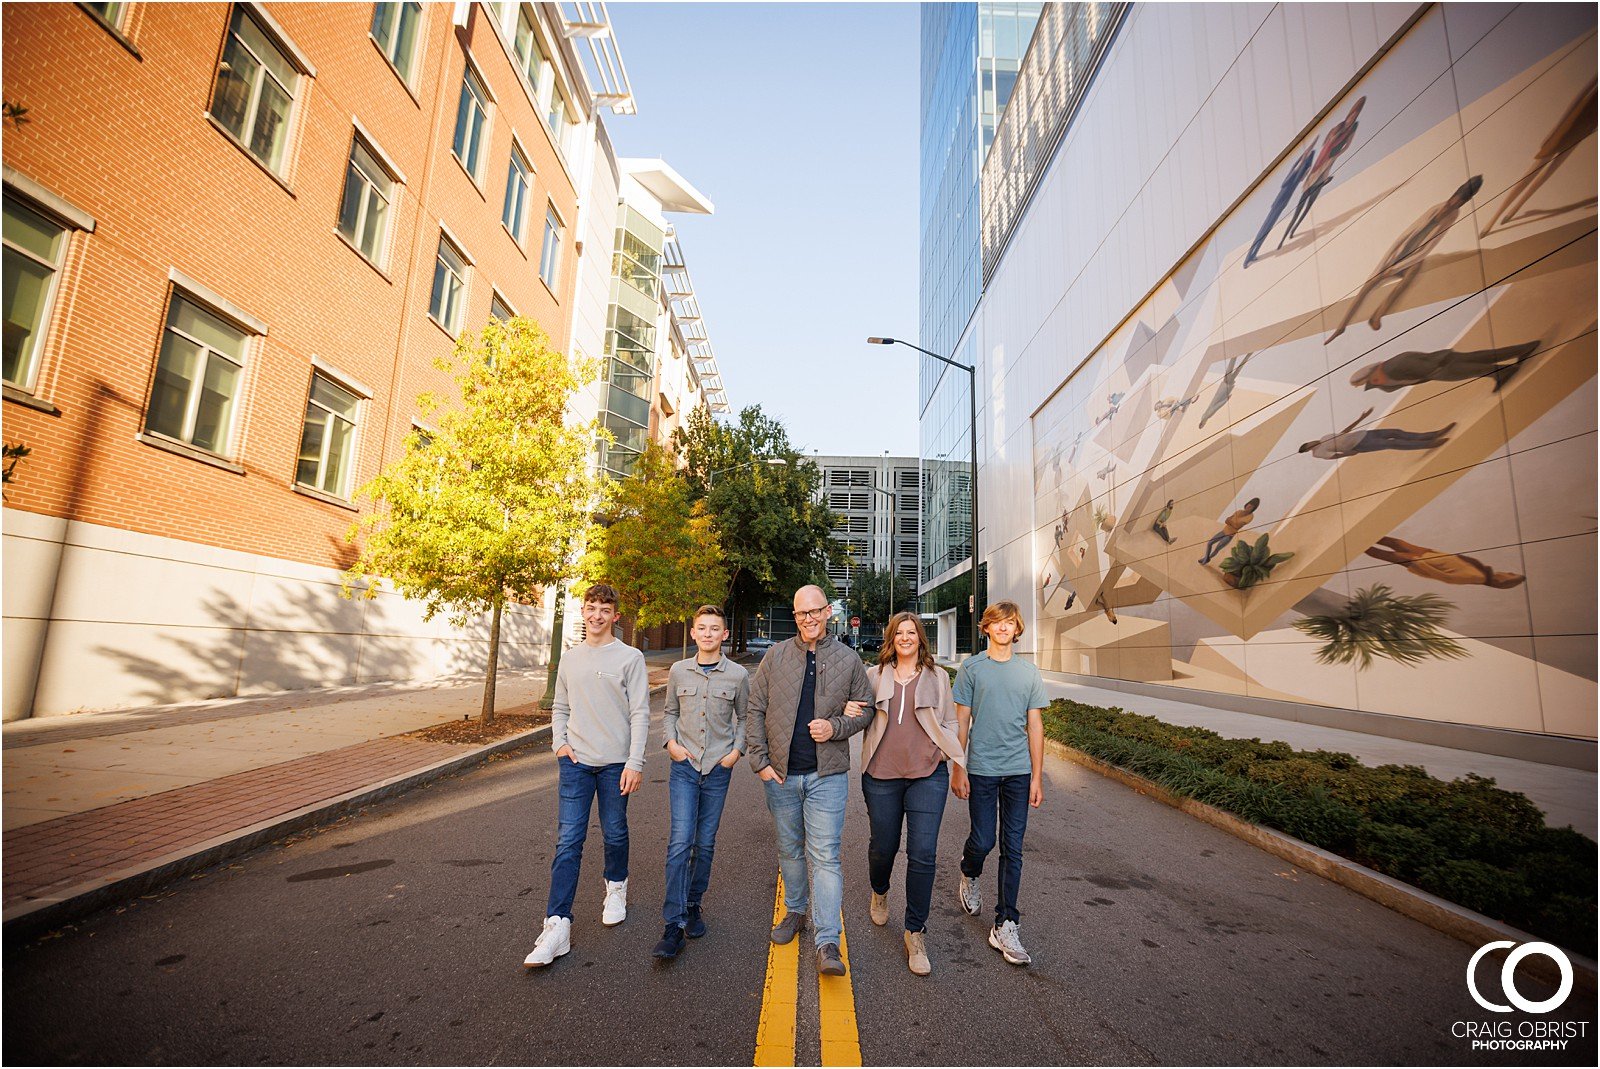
(808, 810)
(919, 805)
(696, 811)
(1007, 796)
(581, 786)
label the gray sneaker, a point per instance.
(828, 961)
(971, 900)
(791, 925)
(1007, 939)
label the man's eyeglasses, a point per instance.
(811, 614)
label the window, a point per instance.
(368, 192)
(255, 90)
(500, 310)
(909, 525)
(472, 116)
(110, 14)
(198, 378)
(557, 115)
(529, 56)
(449, 286)
(394, 27)
(33, 249)
(515, 213)
(328, 442)
(550, 254)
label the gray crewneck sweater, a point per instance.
(602, 705)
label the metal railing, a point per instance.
(1057, 70)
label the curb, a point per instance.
(27, 919)
(1437, 913)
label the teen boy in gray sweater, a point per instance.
(599, 725)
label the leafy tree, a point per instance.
(771, 520)
(486, 508)
(660, 550)
(15, 453)
(875, 593)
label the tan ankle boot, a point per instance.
(879, 908)
(917, 954)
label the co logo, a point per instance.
(1508, 976)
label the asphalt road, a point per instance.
(397, 937)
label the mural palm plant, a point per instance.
(1250, 564)
(1377, 622)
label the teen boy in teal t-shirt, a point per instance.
(1000, 704)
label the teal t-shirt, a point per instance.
(999, 693)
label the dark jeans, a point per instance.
(696, 811)
(919, 805)
(581, 786)
(1006, 796)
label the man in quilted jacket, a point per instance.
(806, 700)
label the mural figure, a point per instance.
(1456, 568)
(1160, 524)
(1166, 408)
(1575, 124)
(1321, 173)
(1230, 376)
(1105, 473)
(1115, 401)
(1099, 602)
(1404, 260)
(1349, 442)
(1077, 439)
(1281, 201)
(1231, 527)
(1444, 365)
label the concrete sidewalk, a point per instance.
(1567, 795)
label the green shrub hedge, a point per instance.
(1466, 840)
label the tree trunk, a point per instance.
(557, 625)
(494, 661)
(685, 652)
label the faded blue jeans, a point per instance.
(696, 811)
(581, 787)
(808, 810)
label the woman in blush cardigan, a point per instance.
(904, 775)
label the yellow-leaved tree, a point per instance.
(491, 504)
(659, 549)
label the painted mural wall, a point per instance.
(1345, 454)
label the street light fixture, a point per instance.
(771, 462)
(972, 398)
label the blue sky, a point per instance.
(799, 122)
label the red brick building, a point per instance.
(236, 238)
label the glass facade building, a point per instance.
(631, 340)
(970, 57)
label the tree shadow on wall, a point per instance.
(253, 651)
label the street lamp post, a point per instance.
(972, 399)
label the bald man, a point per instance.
(806, 700)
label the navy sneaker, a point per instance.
(671, 943)
(697, 925)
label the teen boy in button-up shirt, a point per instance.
(704, 729)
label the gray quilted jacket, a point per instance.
(775, 698)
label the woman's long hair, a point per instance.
(886, 656)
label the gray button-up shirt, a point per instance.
(705, 710)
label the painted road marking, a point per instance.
(775, 1034)
(841, 1040)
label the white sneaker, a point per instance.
(971, 900)
(554, 941)
(616, 907)
(1007, 939)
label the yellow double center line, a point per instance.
(836, 1001)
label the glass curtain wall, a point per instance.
(970, 57)
(630, 348)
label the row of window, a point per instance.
(199, 374)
